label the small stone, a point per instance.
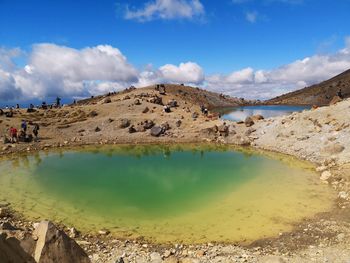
(103, 232)
(73, 233)
(343, 195)
(145, 110)
(167, 253)
(5, 148)
(325, 175)
(4, 212)
(321, 169)
(124, 123)
(200, 253)
(97, 129)
(340, 237)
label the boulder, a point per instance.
(156, 100)
(145, 110)
(53, 245)
(7, 226)
(92, 114)
(148, 124)
(178, 123)
(257, 117)
(223, 130)
(107, 100)
(335, 100)
(156, 131)
(124, 123)
(249, 122)
(333, 148)
(11, 250)
(195, 115)
(97, 129)
(249, 131)
(137, 102)
(132, 129)
(172, 103)
(165, 126)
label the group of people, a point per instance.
(22, 135)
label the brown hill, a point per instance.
(192, 95)
(319, 94)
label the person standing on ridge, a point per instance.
(58, 102)
(24, 126)
(36, 131)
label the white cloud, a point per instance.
(53, 70)
(269, 83)
(186, 72)
(251, 17)
(167, 9)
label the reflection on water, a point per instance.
(165, 194)
(241, 113)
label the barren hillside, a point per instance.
(320, 94)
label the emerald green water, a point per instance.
(165, 194)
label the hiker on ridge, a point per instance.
(36, 131)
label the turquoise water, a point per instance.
(165, 194)
(240, 113)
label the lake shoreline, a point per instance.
(296, 135)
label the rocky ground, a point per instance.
(137, 116)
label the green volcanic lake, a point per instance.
(166, 193)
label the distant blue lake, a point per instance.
(240, 113)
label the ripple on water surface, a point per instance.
(166, 194)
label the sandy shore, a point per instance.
(319, 136)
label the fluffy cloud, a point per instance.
(57, 70)
(53, 70)
(186, 72)
(269, 83)
(167, 9)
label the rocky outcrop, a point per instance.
(249, 122)
(12, 251)
(335, 100)
(53, 245)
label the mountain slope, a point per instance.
(319, 94)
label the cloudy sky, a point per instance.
(245, 48)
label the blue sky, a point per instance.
(233, 42)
